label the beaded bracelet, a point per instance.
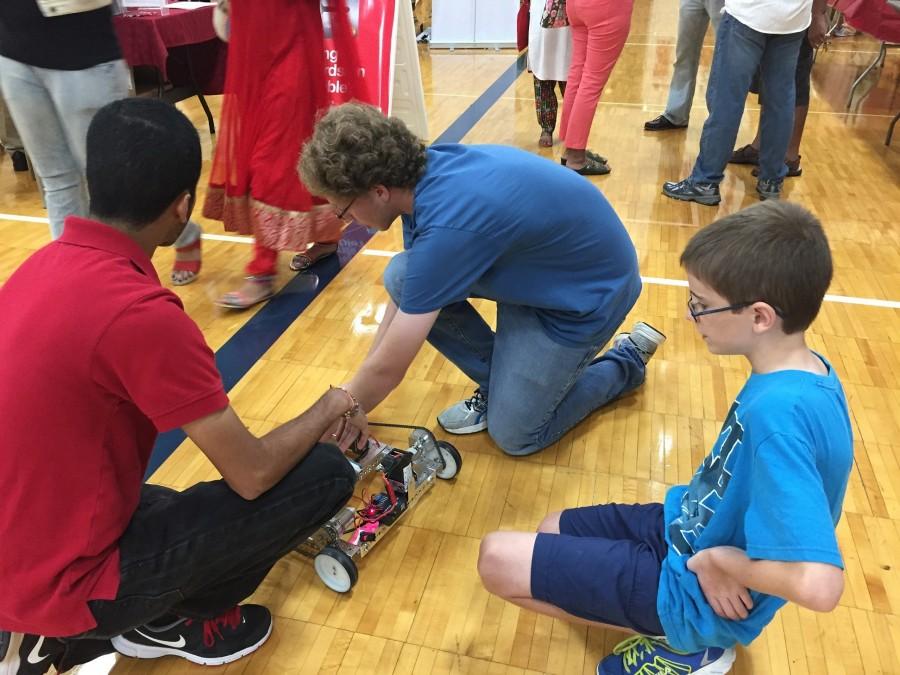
(354, 403)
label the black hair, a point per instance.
(142, 153)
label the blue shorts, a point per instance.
(604, 565)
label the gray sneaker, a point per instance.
(644, 337)
(466, 417)
(769, 189)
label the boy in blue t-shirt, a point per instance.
(493, 222)
(755, 526)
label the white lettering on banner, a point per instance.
(335, 72)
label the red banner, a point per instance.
(372, 23)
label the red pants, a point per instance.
(599, 30)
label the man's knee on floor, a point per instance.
(513, 439)
(394, 276)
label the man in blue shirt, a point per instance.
(755, 527)
(498, 223)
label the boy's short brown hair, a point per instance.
(775, 252)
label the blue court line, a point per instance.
(255, 337)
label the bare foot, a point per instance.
(546, 140)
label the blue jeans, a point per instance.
(536, 388)
(52, 110)
(740, 50)
(693, 18)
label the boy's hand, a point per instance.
(728, 598)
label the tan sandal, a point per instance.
(239, 300)
(303, 261)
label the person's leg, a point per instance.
(779, 64)
(9, 135)
(260, 282)
(188, 255)
(579, 33)
(692, 24)
(792, 156)
(79, 94)
(44, 137)
(460, 333)
(607, 29)
(545, 107)
(738, 52)
(555, 573)
(539, 389)
(714, 11)
(801, 109)
(805, 60)
(199, 552)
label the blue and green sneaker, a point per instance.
(641, 655)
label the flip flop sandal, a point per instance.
(302, 262)
(186, 271)
(745, 155)
(591, 154)
(237, 300)
(794, 169)
(593, 168)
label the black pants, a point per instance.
(199, 552)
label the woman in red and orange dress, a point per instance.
(275, 87)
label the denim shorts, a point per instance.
(604, 565)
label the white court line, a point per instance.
(211, 237)
(659, 107)
(23, 219)
(657, 281)
(228, 237)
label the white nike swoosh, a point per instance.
(168, 643)
(705, 661)
(34, 656)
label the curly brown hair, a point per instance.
(354, 147)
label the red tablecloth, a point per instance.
(875, 17)
(180, 43)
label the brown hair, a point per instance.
(775, 252)
(354, 147)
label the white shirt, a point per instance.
(549, 49)
(776, 17)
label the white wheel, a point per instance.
(452, 460)
(336, 569)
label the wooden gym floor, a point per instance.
(419, 606)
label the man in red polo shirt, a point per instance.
(97, 359)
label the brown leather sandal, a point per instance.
(794, 169)
(745, 155)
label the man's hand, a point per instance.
(728, 598)
(817, 30)
(351, 430)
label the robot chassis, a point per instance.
(406, 476)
